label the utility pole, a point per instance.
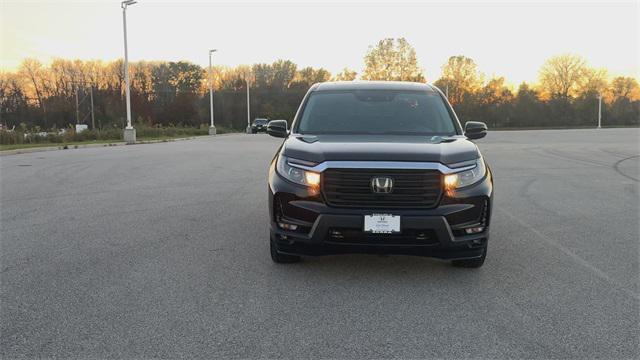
(599, 111)
(212, 128)
(248, 109)
(81, 107)
(129, 131)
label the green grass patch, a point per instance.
(21, 139)
(72, 144)
(58, 145)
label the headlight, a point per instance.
(465, 178)
(297, 175)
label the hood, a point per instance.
(319, 148)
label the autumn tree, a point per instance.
(528, 109)
(562, 76)
(32, 70)
(176, 88)
(626, 87)
(392, 59)
(263, 75)
(592, 85)
(345, 75)
(13, 101)
(625, 105)
(494, 100)
(284, 71)
(460, 77)
(177, 92)
(309, 76)
(234, 78)
(141, 79)
(593, 82)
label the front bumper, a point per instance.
(435, 232)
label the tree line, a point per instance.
(176, 93)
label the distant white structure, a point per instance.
(81, 127)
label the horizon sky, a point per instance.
(505, 39)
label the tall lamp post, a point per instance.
(212, 128)
(599, 111)
(248, 108)
(129, 131)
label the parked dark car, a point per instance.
(259, 125)
(379, 167)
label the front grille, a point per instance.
(411, 188)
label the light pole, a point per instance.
(93, 119)
(248, 108)
(129, 131)
(599, 111)
(77, 107)
(212, 128)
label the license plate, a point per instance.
(382, 223)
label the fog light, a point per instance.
(474, 230)
(336, 234)
(286, 226)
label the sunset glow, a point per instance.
(507, 39)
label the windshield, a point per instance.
(260, 121)
(376, 112)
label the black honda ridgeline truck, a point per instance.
(379, 167)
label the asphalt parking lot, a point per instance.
(161, 251)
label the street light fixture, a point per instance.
(129, 131)
(212, 128)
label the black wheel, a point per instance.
(282, 258)
(471, 263)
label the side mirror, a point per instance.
(278, 128)
(475, 130)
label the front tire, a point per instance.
(471, 263)
(280, 258)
